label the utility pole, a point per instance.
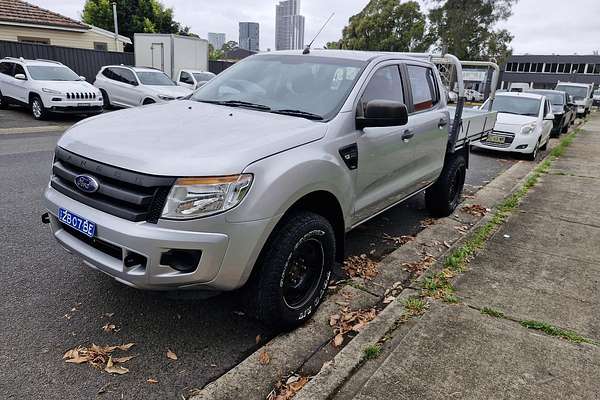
(114, 7)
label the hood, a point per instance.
(512, 122)
(187, 138)
(69, 86)
(172, 91)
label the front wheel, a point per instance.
(443, 196)
(534, 154)
(293, 271)
(38, 110)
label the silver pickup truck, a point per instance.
(255, 179)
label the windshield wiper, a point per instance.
(299, 113)
(237, 103)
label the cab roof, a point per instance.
(357, 55)
(527, 95)
(26, 61)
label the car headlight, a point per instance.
(527, 129)
(200, 197)
(52, 91)
(165, 97)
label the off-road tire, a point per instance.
(38, 111)
(443, 196)
(263, 295)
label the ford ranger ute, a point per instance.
(254, 180)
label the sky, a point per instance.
(539, 26)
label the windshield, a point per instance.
(577, 92)
(557, 99)
(154, 78)
(515, 105)
(203, 76)
(309, 84)
(51, 73)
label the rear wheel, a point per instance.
(292, 274)
(444, 196)
(38, 110)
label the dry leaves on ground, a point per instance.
(99, 357)
(360, 266)
(152, 381)
(398, 240)
(418, 267)
(110, 328)
(475, 210)
(391, 293)
(288, 389)
(349, 321)
(264, 358)
(427, 222)
(171, 355)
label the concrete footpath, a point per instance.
(541, 270)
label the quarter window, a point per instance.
(384, 85)
(6, 68)
(424, 89)
(19, 70)
(186, 78)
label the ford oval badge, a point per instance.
(86, 183)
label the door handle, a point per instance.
(407, 135)
(442, 123)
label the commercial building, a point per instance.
(289, 26)
(26, 23)
(216, 40)
(544, 71)
(249, 36)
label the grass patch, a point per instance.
(372, 351)
(492, 313)
(556, 331)
(438, 286)
(415, 305)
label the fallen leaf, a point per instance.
(171, 355)
(388, 299)
(360, 266)
(152, 381)
(334, 319)
(110, 328)
(292, 379)
(264, 358)
(122, 360)
(338, 340)
(475, 210)
(125, 347)
(114, 369)
(257, 339)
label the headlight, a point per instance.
(165, 97)
(527, 129)
(52, 91)
(201, 197)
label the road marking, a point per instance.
(34, 129)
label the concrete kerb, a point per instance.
(332, 376)
(252, 380)
(34, 129)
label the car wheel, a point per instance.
(443, 196)
(105, 100)
(565, 128)
(545, 146)
(293, 271)
(3, 102)
(38, 110)
(534, 154)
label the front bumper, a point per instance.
(80, 106)
(514, 143)
(229, 250)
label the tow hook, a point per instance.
(45, 218)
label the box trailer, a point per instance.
(170, 53)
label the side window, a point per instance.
(386, 84)
(121, 75)
(19, 70)
(424, 88)
(546, 109)
(109, 73)
(6, 68)
(186, 78)
(128, 76)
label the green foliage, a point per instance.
(372, 351)
(555, 331)
(134, 16)
(492, 313)
(386, 25)
(415, 305)
(465, 28)
(230, 45)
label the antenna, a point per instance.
(307, 49)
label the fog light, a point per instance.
(134, 259)
(521, 147)
(181, 260)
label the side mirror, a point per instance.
(82, 78)
(383, 113)
(549, 117)
(133, 83)
(21, 77)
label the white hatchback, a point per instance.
(125, 86)
(46, 87)
(523, 124)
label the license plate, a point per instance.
(76, 222)
(84, 104)
(496, 139)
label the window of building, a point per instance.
(521, 67)
(597, 69)
(561, 68)
(424, 89)
(102, 46)
(34, 40)
(509, 67)
(527, 67)
(581, 69)
(547, 67)
(569, 68)
(554, 68)
(539, 67)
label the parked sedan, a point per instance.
(562, 108)
(523, 125)
(193, 79)
(473, 95)
(125, 86)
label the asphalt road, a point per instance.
(52, 302)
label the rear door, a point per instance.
(6, 76)
(429, 121)
(546, 124)
(125, 87)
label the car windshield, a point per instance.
(203, 76)
(577, 92)
(556, 99)
(515, 105)
(304, 86)
(51, 73)
(154, 78)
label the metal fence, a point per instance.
(217, 66)
(83, 61)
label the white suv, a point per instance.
(46, 87)
(125, 86)
(193, 79)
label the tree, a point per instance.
(214, 54)
(386, 25)
(466, 28)
(144, 16)
(227, 47)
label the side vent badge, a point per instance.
(350, 155)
